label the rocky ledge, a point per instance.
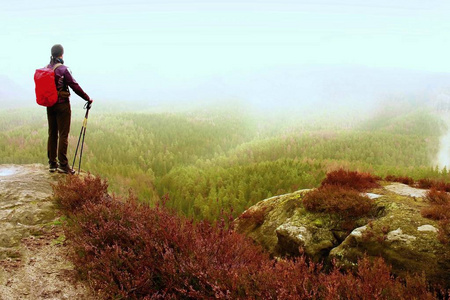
(395, 230)
(33, 262)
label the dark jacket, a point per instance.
(64, 79)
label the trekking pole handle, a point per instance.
(88, 104)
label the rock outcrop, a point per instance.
(33, 262)
(394, 230)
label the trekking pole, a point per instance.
(87, 106)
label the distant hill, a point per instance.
(332, 85)
(297, 88)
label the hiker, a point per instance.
(59, 114)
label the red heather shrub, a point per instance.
(256, 216)
(439, 209)
(351, 180)
(438, 197)
(72, 192)
(402, 179)
(425, 183)
(438, 185)
(337, 200)
(128, 250)
(444, 233)
(442, 186)
(340, 194)
(373, 280)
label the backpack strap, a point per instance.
(56, 66)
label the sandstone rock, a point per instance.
(372, 195)
(25, 203)
(395, 230)
(275, 212)
(405, 190)
(427, 228)
(406, 248)
(31, 266)
(315, 242)
(399, 236)
(358, 232)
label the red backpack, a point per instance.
(46, 92)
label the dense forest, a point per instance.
(213, 160)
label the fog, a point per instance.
(276, 59)
(444, 152)
(285, 89)
(261, 51)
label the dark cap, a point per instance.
(57, 50)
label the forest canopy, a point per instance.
(213, 160)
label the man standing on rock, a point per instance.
(59, 115)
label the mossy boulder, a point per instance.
(261, 221)
(394, 230)
(405, 239)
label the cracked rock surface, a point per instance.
(394, 230)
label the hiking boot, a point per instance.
(52, 168)
(66, 170)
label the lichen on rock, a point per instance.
(395, 230)
(31, 266)
(427, 227)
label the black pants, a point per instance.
(58, 117)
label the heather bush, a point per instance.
(72, 192)
(436, 184)
(332, 199)
(439, 209)
(402, 179)
(340, 194)
(438, 197)
(373, 280)
(351, 180)
(255, 216)
(129, 250)
(425, 183)
(444, 231)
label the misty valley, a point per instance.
(187, 218)
(214, 159)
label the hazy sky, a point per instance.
(130, 44)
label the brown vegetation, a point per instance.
(337, 200)
(402, 179)
(129, 250)
(439, 209)
(436, 184)
(340, 193)
(351, 180)
(255, 216)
